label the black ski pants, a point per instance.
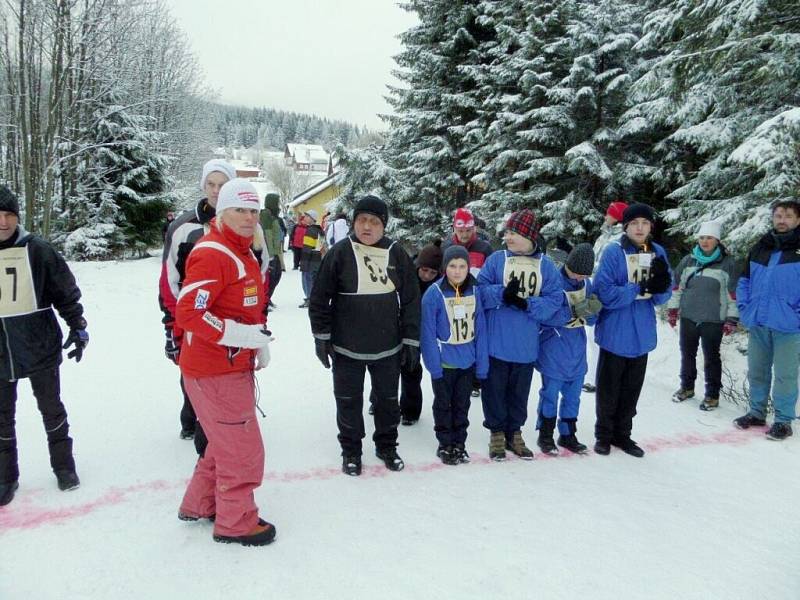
(710, 335)
(348, 388)
(46, 386)
(451, 401)
(296, 253)
(411, 393)
(189, 422)
(619, 382)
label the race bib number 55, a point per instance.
(373, 269)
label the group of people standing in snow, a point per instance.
(480, 320)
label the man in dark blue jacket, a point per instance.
(768, 299)
(35, 279)
(632, 279)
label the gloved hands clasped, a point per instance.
(510, 296)
(78, 338)
(587, 307)
(659, 280)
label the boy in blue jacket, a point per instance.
(632, 279)
(453, 343)
(562, 356)
(520, 288)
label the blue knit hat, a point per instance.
(453, 252)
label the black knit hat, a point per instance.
(430, 256)
(636, 210)
(453, 252)
(373, 206)
(581, 259)
(8, 201)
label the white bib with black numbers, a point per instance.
(461, 315)
(639, 270)
(573, 297)
(372, 265)
(17, 296)
(528, 270)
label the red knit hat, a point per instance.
(523, 222)
(615, 210)
(464, 218)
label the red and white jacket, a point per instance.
(223, 281)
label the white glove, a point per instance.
(239, 335)
(262, 358)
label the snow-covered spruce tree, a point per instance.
(726, 90)
(432, 111)
(121, 199)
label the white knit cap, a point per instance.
(217, 164)
(312, 213)
(238, 193)
(711, 228)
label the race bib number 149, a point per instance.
(528, 270)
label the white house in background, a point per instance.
(306, 157)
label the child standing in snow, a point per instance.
(454, 349)
(520, 288)
(562, 354)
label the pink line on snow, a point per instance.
(24, 514)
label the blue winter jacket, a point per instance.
(768, 292)
(440, 333)
(513, 333)
(562, 340)
(627, 324)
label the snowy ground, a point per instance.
(710, 512)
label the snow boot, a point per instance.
(371, 409)
(7, 491)
(779, 432)
(304, 304)
(67, 480)
(602, 448)
(463, 455)
(545, 441)
(497, 446)
(589, 387)
(187, 434)
(748, 421)
(185, 516)
(709, 403)
(682, 394)
(517, 445)
(351, 465)
(570, 441)
(263, 534)
(390, 458)
(628, 446)
(448, 455)
(407, 421)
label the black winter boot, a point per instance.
(351, 465)
(67, 480)
(570, 441)
(545, 441)
(390, 458)
(7, 492)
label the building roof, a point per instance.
(308, 153)
(313, 190)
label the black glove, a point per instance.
(510, 296)
(409, 357)
(80, 339)
(172, 349)
(324, 351)
(659, 280)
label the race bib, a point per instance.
(528, 270)
(573, 298)
(373, 274)
(461, 315)
(639, 270)
(17, 295)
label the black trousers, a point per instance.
(189, 422)
(348, 388)
(710, 335)
(296, 253)
(275, 274)
(619, 382)
(47, 391)
(411, 393)
(451, 401)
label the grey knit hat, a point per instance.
(453, 252)
(581, 260)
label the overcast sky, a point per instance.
(332, 58)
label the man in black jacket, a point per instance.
(34, 279)
(365, 313)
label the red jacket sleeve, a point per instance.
(206, 277)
